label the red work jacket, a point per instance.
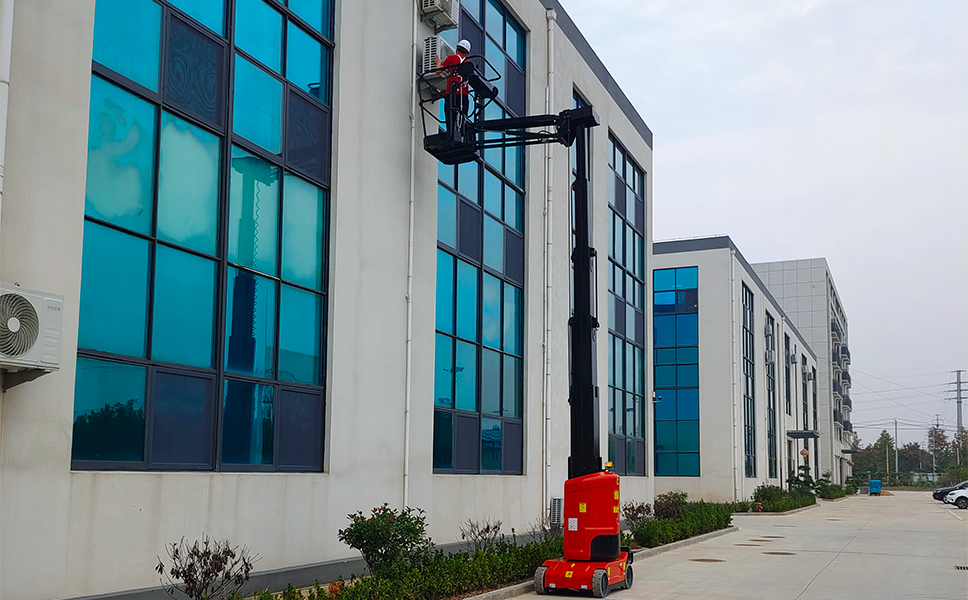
(455, 80)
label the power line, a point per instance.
(890, 382)
(893, 400)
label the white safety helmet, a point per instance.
(465, 46)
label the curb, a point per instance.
(777, 514)
(528, 586)
(838, 499)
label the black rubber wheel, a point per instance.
(628, 576)
(962, 502)
(600, 583)
(539, 587)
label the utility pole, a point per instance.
(958, 391)
(896, 467)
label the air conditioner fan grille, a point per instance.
(19, 325)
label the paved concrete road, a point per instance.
(901, 546)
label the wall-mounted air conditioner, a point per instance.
(770, 357)
(768, 329)
(435, 50)
(442, 14)
(30, 328)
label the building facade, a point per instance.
(278, 309)
(735, 381)
(806, 289)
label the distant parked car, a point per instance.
(958, 497)
(941, 493)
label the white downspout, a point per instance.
(413, 160)
(551, 16)
(732, 353)
(6, 47)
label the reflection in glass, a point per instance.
(493, 244)
(492, 193)
(318, 13)
(465, 376)
(689, 465)
(109, 411)
(466, 301)
(514, 208)
(467, 177)
(445, 292)
(490, 445)
(250, 324)
(258, 31)
(496, 59)
(127, 38)
(307, 63)
(120, 158)
(513, 379)
(114, 292)
(184, 308)
(247, 423)
(491, 382)
(209, 13)
(446, 216)
(303, 215)
(194, 73)
(188, 184)
(494, 20)
(299, 336)
(491, 315)
(444, 371)
(513, 323)
(253, 212)
(664, 280)
(258, 106)
(665, 464)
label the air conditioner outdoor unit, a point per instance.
(768, 329)
(442, 14)
(556, 512)
(770, 356)
(30, 328)
(435, 51)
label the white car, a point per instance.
(958, 497)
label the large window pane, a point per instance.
(512, 319)
(492, 193)
(665, 405)
(300, 417)
(688, 436)
(253, 212)
(127, 38)
(494, 20)
(184, 308)
(303, 218)
(114, 292)
(465, 375)
(689, 465)
(665, 436)
(258, 31)
(300, 324)
(444, 371)
(109, 411)
(248, 424)
(183, 421)
(467, 177)
(446, 216)
(664, 280)
(688, 408)
(687, 278)
(665, 331)
(258, 106)
(513, 384)
(307, 63)
(493, 244)
(687, 329)
(466, 301)
(665, 464)
(445, 292)
(687, 375)
(491, 315)
(491, 382)
(209, 13)
(120, 158)
(188, 184)
(250, 324)
(490, 445)
(195, 69)
(318, 13)
(443, 440)
(308, 142)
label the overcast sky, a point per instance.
(806, 128)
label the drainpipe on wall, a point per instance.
(551, 16)
(6, 45)
(413, 160)
(732, 353)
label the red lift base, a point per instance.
(596, 577)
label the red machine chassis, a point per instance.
(562, 574)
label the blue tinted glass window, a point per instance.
(318, 13)
(250, 324)
(445, 292)
(299, 336)
(306, 63)
(687, 330)
(188, 185)
(513, 208)
(666, 356)
(490, 445)
(465, 376)
(120, 158)
(513, 384)
(445, 173)
(114, 292)
(665, 436)
(688, 405)
(492, 193)
(619, 412)
(512, 319)
(303, 216)
(687, 278)
(494, 20)
(493, 244)
(182, 424)
(109, 411)
(194, 73)
(258, 31)
(688, 436)
(248, 423)
(514, 43)
(184, 308)
(444, 371)
(687, 355)
(665, 405)
(665, 331)
(687, 375)
(665, 464)
(127, 39)
(664, 280)
(443, 440)
(466, 301)
(491, 315)
(665, 302)
(473, 7)
(496, 68)
(491, 382)
(665, 376)
(210, 13)
(258, 106)
(446, 217)
(253, 212)
(467, 177)
(689, 465)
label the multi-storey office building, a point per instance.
(735, 381)
(278, 309)
(806, 289)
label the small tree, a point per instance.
(208, 569)
(636, 513)
(802, 482)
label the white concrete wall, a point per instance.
(66, 534)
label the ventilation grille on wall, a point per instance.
(556, 512)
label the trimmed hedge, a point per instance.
(777, 499)
(695, 518)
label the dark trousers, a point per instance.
(461, 103)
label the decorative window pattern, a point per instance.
(626, 316)
(787, 374)
(479, 357)
(749, 389)
(770, 343)
(204, 273)
(676, 340)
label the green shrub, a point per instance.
(741, 506)
(695, 518)
(389, 540)
(670, 505)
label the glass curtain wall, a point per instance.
(204, 271)
(749, 389)
(771, 449)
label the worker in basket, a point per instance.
(456, 103)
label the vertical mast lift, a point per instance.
(593, 557)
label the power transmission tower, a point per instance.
(959, 392)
